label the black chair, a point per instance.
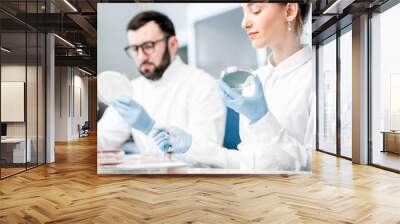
(84, 130)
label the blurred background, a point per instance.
(210, 36)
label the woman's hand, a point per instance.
(172, 138)
(253, 107)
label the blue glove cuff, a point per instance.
(148, 127)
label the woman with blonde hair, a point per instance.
(277, 122)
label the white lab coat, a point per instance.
(284, 137)
(184, 97)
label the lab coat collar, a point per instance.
(291, 63)
(169, 74)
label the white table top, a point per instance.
(137, 164)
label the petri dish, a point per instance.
(111, 85)
(237, 79)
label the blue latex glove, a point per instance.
(176, 138)
(161, 138)
(130, 148)
(134, 114)
(253, 107)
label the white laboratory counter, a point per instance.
(113, 162)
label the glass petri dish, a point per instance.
(111, 85)
(237, 79)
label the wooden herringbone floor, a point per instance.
(70, 191)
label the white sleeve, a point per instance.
(112, 130)
(277, 150)
(274, 150)
(207, 152)
(207, 117)
(207, 112)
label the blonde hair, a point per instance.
(301, 15)
(298, 23)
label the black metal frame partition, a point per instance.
(44, 93)
(334, 37)
(0, 92)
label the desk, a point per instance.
(391, 141)
(127, 164)
(16, 147)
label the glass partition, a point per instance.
(41, 96)
(31, 100)
(22, 88)
(346, 93)
(327, 96)
(385, 89)
(13, 105)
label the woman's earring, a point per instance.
(289, 26)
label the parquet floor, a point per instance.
(70, 191)
(9, 171)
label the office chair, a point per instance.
(84, 130)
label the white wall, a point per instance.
(33, 126)
(61, 103)
(221, 42)
(12, 73)
(112, 39)
(12, 101)
(68, 82)
(80, 84)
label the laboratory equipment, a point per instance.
(237, 79)
(112, 85)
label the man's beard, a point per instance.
(158, 70)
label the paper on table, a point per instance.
(143, 162)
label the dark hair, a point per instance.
(162, 20)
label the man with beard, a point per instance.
(169, 92)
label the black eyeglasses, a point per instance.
(147, 47)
